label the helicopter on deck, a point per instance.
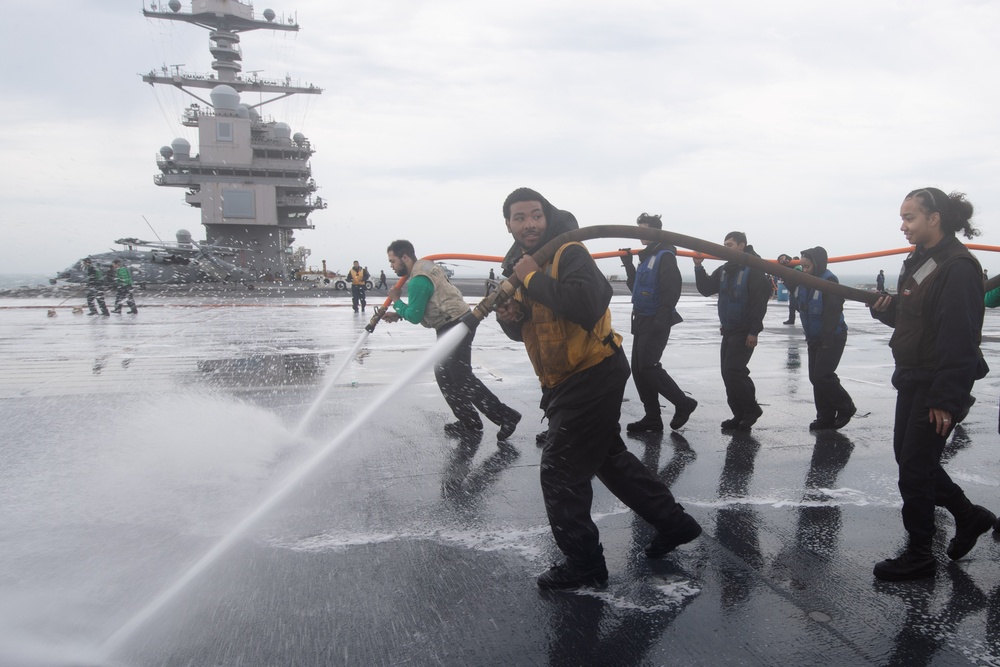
(158, 263)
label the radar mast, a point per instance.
(251, 176)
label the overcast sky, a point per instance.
(798, 124)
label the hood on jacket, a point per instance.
(818, 257)
(557, 222)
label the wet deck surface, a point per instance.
(131, 445)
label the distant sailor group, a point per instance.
(119, 276)
(560, 312)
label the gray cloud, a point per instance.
(800, 124)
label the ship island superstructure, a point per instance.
(251, 177)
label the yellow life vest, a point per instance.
(557, 347)
(446, 302)
(357, 276)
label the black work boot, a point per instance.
(682, 413)
(844, 417)
(729, 424)
(750, 418)
(916, 562)
(649, 423)
(573, 573)
(508, 425)
(969, 525)
(683, 530)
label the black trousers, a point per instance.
(96, 294)
(651, 380)
(585, 441)
(462, 390)
(124, 293)
(358, 294)
(741, 394)
(829, 395)
(923, 483)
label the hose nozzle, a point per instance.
(376, 318)
(497, 297)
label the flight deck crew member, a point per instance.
(937, 316)
(743, 296)
(561, 314)
(437, 304)
(95, 287)
(656, 288)
(786, 260)
(359, 277)
(822, 317)
(123, 287)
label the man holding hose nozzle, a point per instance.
(743, 296)
(656, 288)
(437, 304)
(561, 314)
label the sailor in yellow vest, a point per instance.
(561, 314)
(359, 277)
(437, 304)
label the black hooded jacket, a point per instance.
(954, 311)
(833, 305)
(758, 293)
(581, 294)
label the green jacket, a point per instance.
(992, 298)
(123, 277)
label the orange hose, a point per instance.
(496, 259)
(476, 258)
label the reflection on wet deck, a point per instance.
(132, 444)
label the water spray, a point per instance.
(314, 408)
(442, 348)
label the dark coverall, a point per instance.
(741, 393)
(953, 314)
(584, 437)
(358, 290)
(462, 390)
(95, 289)
(826, 348)
(650, 333)
(123, 290)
